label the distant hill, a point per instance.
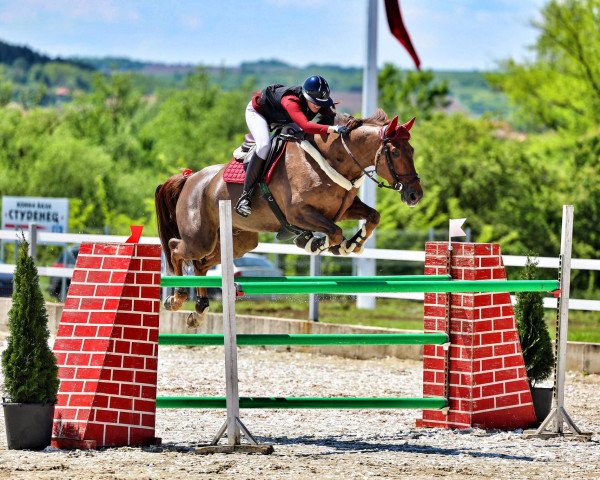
(121, 64)
(469, 90)
(38, 76)
(26, 57)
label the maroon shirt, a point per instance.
(291, 104)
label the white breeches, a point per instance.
(259, 128)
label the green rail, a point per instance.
(454, 286)
(322, 285)
(203, 339)
(215, 281)
(303, 402)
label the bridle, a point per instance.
(398, 178)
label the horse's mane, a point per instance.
(379, 118)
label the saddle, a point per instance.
(235, 172)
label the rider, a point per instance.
(279, 105)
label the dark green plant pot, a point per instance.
(28, 425)
(542, 401)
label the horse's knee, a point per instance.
(336, 236)
(374, 217)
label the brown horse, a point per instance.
(310, 198)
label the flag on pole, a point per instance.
(455, 229)
(394, 18)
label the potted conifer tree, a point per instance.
(535, 341)
(29, 365)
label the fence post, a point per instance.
(553, 424)
(33, 240)
(233, 425)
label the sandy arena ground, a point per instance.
(320, 444)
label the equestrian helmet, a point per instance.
(316, 90)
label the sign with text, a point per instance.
(51, 214)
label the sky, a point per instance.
(447, 34)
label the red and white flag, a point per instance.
(394, 18)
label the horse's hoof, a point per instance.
(169, 304)
(201, 306)
(317, 245)
(194, 320)
(347, 247)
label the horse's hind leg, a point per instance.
(201, 307)
(175, 301)
(242, 242)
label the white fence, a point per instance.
(278, 248)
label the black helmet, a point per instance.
(316, 90)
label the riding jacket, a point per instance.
(280, 105)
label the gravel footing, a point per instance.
(320, 444)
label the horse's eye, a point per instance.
(396, 153)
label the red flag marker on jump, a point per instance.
(136, 233)
(394, 18)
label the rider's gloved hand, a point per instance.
(340, 129)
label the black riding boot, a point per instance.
(253, 172)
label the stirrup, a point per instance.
(243, 206)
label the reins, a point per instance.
(398, 184)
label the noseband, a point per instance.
(398, 182)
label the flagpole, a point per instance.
(367, 266)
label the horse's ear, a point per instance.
(408, 125)
(391, 128)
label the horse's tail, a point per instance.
(165, 201)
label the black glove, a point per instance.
(340, 129)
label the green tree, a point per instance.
(411, 93)
(199, 125)
(29, 366)
(533, 332)
(469, 168)
(6, 88)
(560, 87)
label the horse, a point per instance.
(312, 198)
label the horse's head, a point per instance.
(394, 161)
(384, 144)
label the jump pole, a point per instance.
(233, 425)
(553, 424)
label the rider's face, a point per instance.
(313, 107)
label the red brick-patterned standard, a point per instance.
(107, 348)
(488, 382)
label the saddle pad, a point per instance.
(235, 173)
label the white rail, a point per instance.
(378, 254)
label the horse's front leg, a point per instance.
(309, 218)
(359, 211)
